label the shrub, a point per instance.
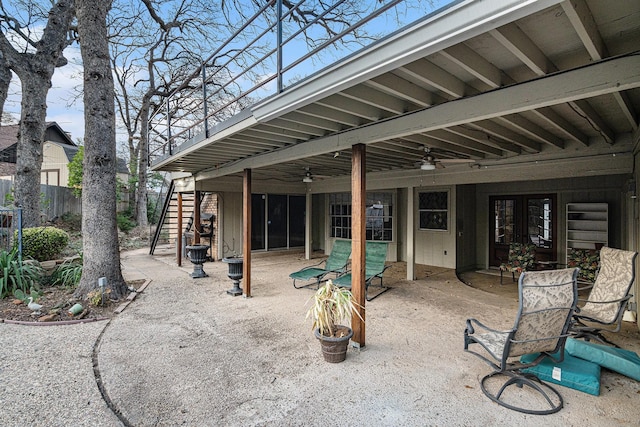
(68, 273)
(17, 276)
(43, 243)
(125, 223)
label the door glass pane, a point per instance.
(277, 220)
(257, 221)
(539, 223)
(504, 221)
(297, 205)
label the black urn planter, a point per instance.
(334, 350)
(235, 274)
(197, 255)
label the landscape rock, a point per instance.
(48, 317)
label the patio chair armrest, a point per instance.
(311, 266)
(342, 270)
(471, 329)
(626, 298)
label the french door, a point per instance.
(523, 219)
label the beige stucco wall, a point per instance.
(54, 159)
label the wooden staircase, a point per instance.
(167, 230)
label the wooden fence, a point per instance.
(54, 201)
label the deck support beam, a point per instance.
(246, 232)
(196, 217)
(179, 238)
(358, 239)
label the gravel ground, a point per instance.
(186, 353)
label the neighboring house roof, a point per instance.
(8, 136)
(53, 133)
(70, 152)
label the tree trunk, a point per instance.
(35, 86)
(133, 172)
(99, 227)
(143, 154)
(5, 80)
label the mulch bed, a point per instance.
(56, 302)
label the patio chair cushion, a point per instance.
(521, 257)
(572, 372)
(623, 361)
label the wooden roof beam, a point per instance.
(435, 76)
(467, 59)
(485, 138)
(397, 86)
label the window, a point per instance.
(379, 215)
(433, 208)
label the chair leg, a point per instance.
(588, 335)
(550, 394)
(501, 277)
(384, 289)
(303, 286)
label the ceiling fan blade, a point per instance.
(456, 161)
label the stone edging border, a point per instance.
(118, 310)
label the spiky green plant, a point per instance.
(330, 306)
(16, 275)
(68, 273)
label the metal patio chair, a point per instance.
(336, 263)
(547, 301)
(375, 256)
(604, 308)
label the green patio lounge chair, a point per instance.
(375, 255)
(336, 263)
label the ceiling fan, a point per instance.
(429, 162)
(308, 176)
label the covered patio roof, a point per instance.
(481, 86)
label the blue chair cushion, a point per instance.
(619, 360)
(572, 372)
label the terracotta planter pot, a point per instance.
(334, 350)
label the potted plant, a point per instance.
(332, 305)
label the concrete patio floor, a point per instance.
(186, 353)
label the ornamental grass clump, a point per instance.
(16, 275)
(331, 305)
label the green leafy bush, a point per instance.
(16, 275)
(43, 243)
(125, 223)
(68, 273)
